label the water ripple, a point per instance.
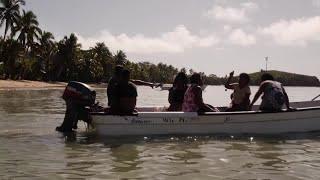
(31, 149)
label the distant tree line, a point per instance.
(287, 79)
(29, 52)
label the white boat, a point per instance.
(154, 121)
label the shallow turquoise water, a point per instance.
(30, 148)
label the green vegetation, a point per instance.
(28, 52)
(287, 79)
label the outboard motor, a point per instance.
(78, 96)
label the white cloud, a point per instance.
(294, 32)
(227, 14)
(232, 14)
(239, 37)
(176, 41)
(227, 28)
(249, 6)
(316, 3)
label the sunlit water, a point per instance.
(30, 148)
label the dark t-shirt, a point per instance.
(111, 90)
(126, 90)
(124, 99)
(176, 95)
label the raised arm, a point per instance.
(227, 84)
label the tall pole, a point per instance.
(267, 58)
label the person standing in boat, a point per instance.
(177, 91)
(241, 92)
(274, 95)
(125, 97)
(193, 101)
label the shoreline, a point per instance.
(41, 85)
(38, 85)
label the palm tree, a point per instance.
(67, 57)
(11, 51)
(46, 39)
(120, 57)
(10, 13)
(101, 51)
(28, 28)
(104, 57)
(46, 49)
(46, 44)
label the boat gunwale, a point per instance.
(210, 113)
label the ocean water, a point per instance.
(30, 148)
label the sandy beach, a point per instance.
(26, 84)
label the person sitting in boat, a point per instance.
(114, 81)
(125, 95)
(193, 101)
(274, 95)
(177, 91)
(240, 99)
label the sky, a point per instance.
(211, 36)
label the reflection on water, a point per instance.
(31, 149)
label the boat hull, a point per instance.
(180, 123)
